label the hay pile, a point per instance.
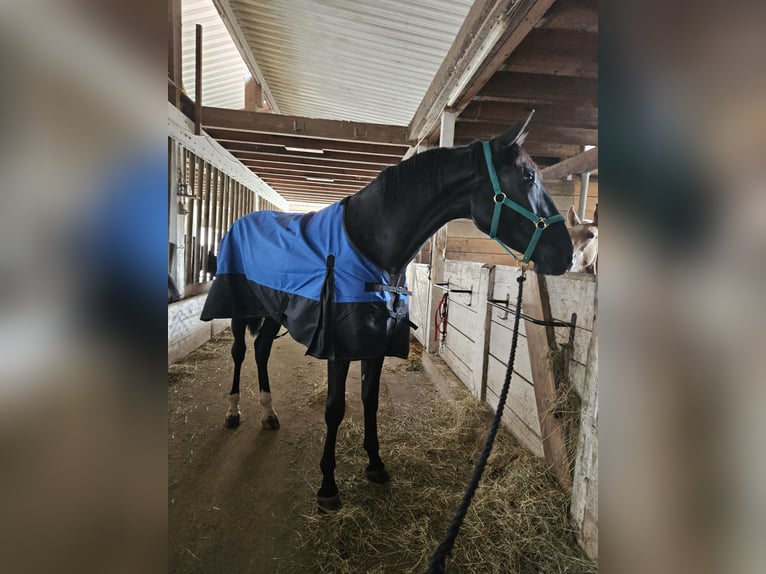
(517, 521)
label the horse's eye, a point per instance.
(528, 176)
(591, 235)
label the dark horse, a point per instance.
(372, 236)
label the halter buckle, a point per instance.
(541, 223)
(501, 194)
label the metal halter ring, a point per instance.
(501, 194)
(541, 223)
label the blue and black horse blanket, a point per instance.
(303, 272)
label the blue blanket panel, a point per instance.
(276, 264)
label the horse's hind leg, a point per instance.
(238, 349)
(263, 343)
(371, 368)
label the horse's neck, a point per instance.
(391, 218)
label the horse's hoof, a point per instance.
(270, 422)
(231, 421)
(379, 476)
(329, 504)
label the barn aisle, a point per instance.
(243, 500)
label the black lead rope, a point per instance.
(437, 563)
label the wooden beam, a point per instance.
(223, 135)
(508, 113)
(539, 133)
(275, 181)
(253, 95)
(175, 62)
(556, 53)
(586, 161)
(277, 169)
(358, 183)
(302, 126)
(539, 149)
(579, 15)
(317, 186)
(526, 14)
(540, 342)
(536, 89)
(279, 161)
(487, 24)
(198, 80)
(243, 46)
(248, 150)
(313, 197)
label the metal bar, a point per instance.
(511, 309)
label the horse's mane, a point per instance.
(396, 182)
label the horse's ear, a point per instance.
(572, 218)
(595, 216)
(516, 134)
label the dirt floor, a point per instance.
(243, 500)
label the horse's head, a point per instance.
(516, 209)
(584, 236)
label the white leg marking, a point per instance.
(233, 405)
(265, 400)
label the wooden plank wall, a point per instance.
(477, 348)
(479, 355)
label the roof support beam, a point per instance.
(235, 138)
(238, 37)
(586, 161)
(175, 67)
(490, 32)
(304, 127)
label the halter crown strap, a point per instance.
(501, 199)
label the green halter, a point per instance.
(500, 200)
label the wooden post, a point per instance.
(175, 68)
(481, 345)
(189, 223)
(253, 95)
(584, 507)
(584, 180)
(198, 81)
(438, 244)
(172, 201)
(540, 341)
(205, 218)
(212, 209)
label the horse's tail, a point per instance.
(254, 325)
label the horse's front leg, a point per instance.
(371, 369)
(337, 371)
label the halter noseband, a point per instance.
(541, 223)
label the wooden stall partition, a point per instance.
(478, 341)
(520, 415)
(466, 317)
(584, 507)
(418, 281)
(541, 341)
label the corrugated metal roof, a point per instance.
(360, 60)
(223, 71)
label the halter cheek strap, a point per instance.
(541, 223)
